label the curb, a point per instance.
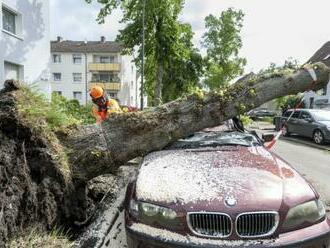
(106, 215)
(307, 143)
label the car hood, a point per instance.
(195, 178)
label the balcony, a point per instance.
(106, 85)
(104, 67)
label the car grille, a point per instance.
(259, 224)
(256, 224)
(210, 224)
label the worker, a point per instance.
(104, 106)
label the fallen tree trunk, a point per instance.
(44, 176)
(99, 149)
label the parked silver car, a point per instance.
(312, 123)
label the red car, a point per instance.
(222, 189)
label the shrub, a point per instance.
(57, 114)
(246, 120)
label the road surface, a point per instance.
(312, 163)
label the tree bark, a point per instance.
(159, 84)
(99, 149)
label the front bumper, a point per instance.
(142, 236)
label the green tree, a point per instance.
(163, 37)
(289, 64)
(223, 42)
(183, 73)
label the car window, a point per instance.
(322, 115)
(287, 113)
(296, 114)
(305, 115)
(214, 139)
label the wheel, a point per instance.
(318, 137)
(285, 131)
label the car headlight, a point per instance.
(150, 210)
(310, 212)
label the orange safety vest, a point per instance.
(102, 113)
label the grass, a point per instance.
(56, 115)
(39, 239)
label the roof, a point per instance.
(310, 110)
(68, 46)
(322, 55)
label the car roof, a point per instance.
(310, 110)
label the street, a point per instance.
(311, 162)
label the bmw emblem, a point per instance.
(230, 201)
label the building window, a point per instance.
(77, 95)
(76, 58)
(77, 77)
(57, 93)
(9, 20)
(56, 58)
(57, 76)
(107, 59)
(132, 84)
(112, 94)
(12, 71)
(105, 77)
(104, 60)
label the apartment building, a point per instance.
(24, 42)
(78, 65)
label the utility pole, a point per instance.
(143, 39)
(86, 80)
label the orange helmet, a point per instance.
(96, 92)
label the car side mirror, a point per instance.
(268, 137)
(309, 119)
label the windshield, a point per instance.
(322, 115)
(214, 139)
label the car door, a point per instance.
(305, 124)
(284, 117)
(293, 122)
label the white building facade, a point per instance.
(320, 99)
(78, 65)
(24, 42)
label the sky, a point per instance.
(274, 30)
